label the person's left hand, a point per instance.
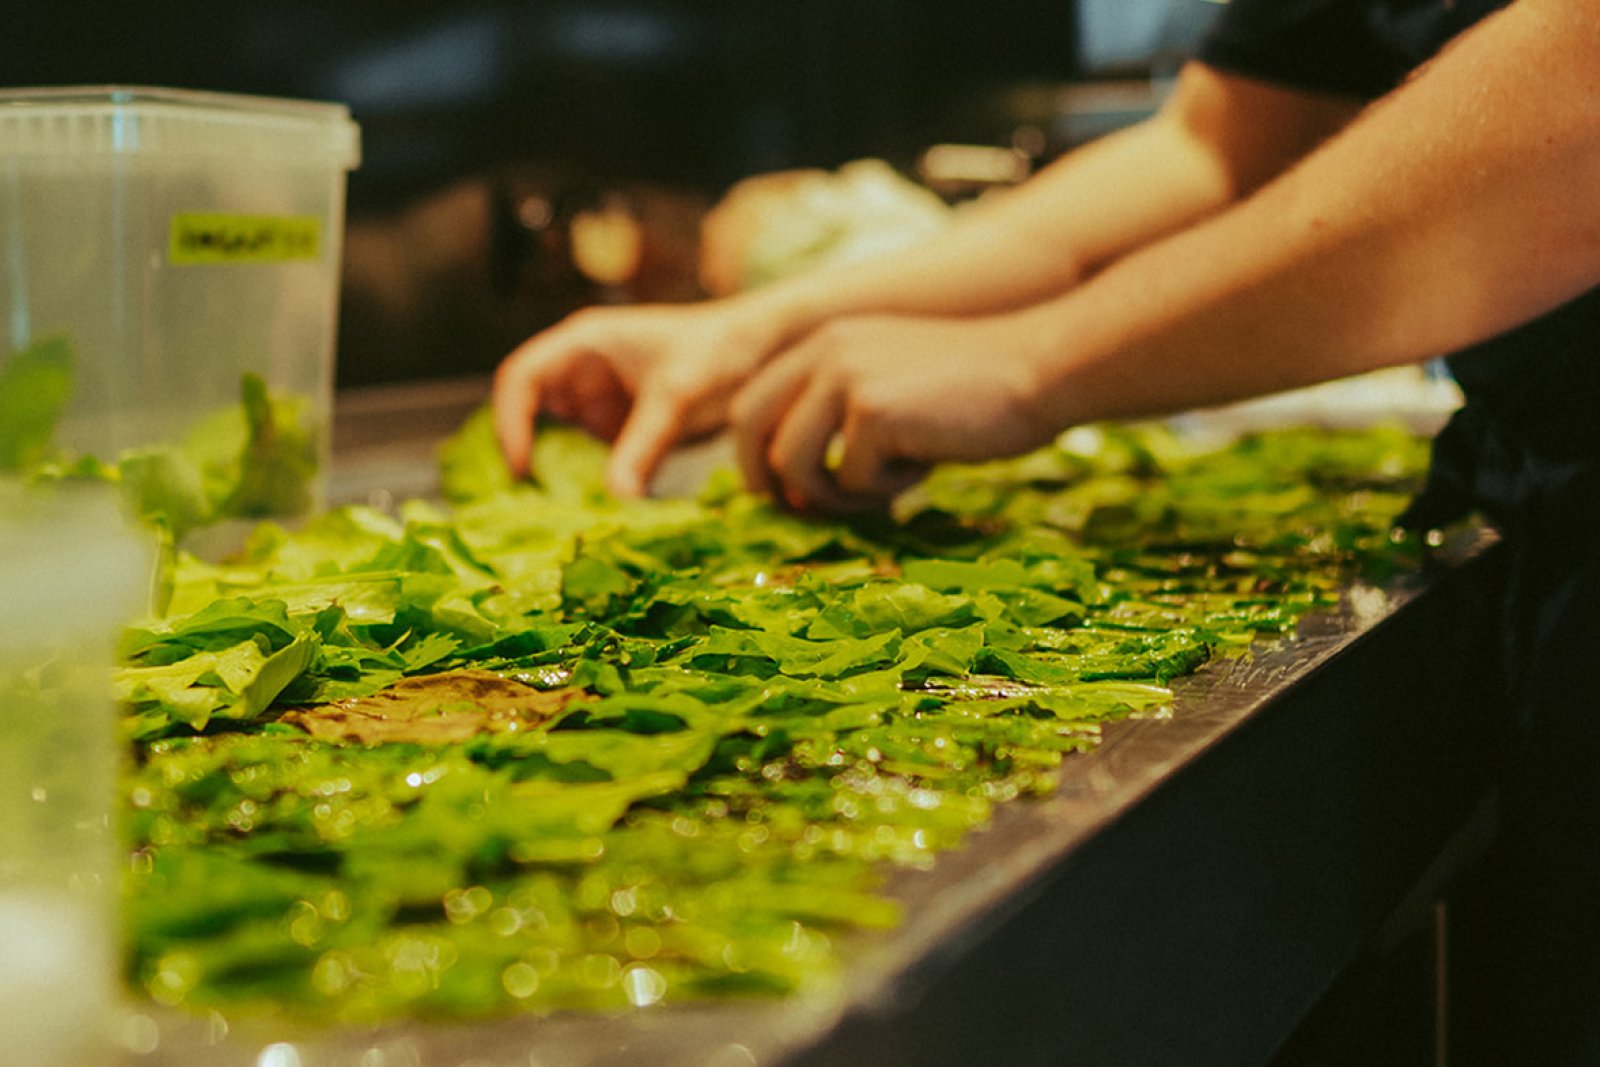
(857, 410)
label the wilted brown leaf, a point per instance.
(434, 709)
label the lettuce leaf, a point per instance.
(36, 384)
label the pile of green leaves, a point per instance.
(736, 722)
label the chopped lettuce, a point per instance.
(257, 460)
(539, 749)
(36, 384)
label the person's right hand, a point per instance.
(861, 407)
(644, 378)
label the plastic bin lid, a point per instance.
(81, 121)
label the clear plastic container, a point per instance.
(173, 243)
(71, 573)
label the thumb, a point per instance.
(653, 426)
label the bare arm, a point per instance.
(649, 377)
(1464, 204)
(1215, 140)
(1459, 206)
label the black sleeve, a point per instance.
(1329, 46)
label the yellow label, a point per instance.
(203, 238)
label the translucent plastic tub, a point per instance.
(169, 245)
(71, 573)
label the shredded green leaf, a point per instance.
(736, 722)
(36, 383)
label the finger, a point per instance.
(605, 416)
(600, 400)
(515, 401)
(860, 455)
(798, 454)
(558, 400)
(650, 430)
(867, 467)
(755, 415)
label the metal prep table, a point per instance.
(1186, 896)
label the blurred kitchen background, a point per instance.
(490, 126)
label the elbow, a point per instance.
(1250, 131)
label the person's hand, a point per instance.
(644, 378)
(860, 408)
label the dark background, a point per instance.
(470, 110)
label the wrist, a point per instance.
(1045, 348)
(775, 315)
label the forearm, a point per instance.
(1216, 139)
(1458, 207)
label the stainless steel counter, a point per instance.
(386, 438)
(1187, 894)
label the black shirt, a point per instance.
(1526, 448)
(1359, 48)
